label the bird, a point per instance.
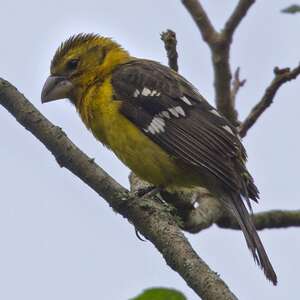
(158, 124)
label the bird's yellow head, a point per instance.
(79, 62)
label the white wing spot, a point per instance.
(159, 121)
(228, 129)
(136, 93)
(151, 129)
(157, 125)
(180, 110)
(186, 100)
(215, 112)
(177, 111)
(174, 112)
(165, 114)
(153, 93)
(146, 92)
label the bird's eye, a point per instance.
(72, 64)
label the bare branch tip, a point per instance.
(170, 42)
(236, 84)
(281, 71)
(237, 79)
(282, 75)
(168, 35)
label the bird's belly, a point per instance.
(145, 158)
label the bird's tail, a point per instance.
(237, 207)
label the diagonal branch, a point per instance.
(267, 220)
(202, 20)
(235, 19)
(281, 77)
(150, 217)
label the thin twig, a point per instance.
(267, 220)
(152, 219)
(281, 76)
(170, 42)
(237, 83)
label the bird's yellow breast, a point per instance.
(101, 115)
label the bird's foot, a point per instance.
(143, 193)
(148, 192)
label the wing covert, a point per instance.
(172, 113)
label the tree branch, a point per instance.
(201, 19)
(150, 217)
(234, 20)
(219, 44)
(267, 220)
(222, 81)
(281, 76)
(196, 210)
(170, 42)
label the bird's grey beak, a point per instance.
(55, 88)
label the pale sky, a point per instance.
(59, 240)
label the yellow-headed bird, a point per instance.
(157, 123)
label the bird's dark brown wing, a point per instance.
(172, 113)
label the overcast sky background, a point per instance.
(59, 240)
